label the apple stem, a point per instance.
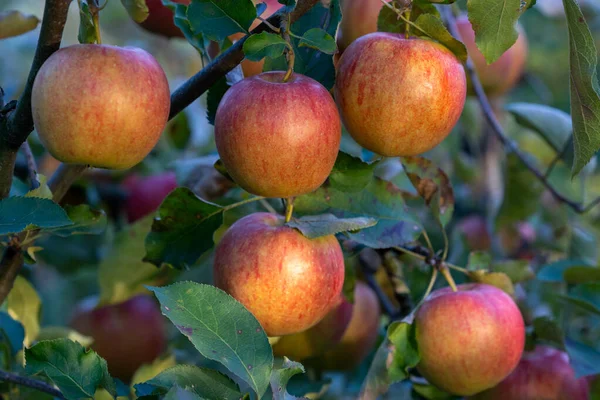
(291, 56)
(446, 272)
(289, 208)
(407, 31)
(96, 20)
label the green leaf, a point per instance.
(547, 330)
(521, 194)
(581, 274)
(517, 270)
(288, 3)
(221, 329)
(85, 222)
(281, 376)
(12, 335)
(217, 19)
(380, 200)
(122, 272)
(583, 245)
(215, 94)
(76, 371)
(582, 304)
(314, 226)
(396, 354)
(87, 28)
(552, 124)
(479, 260)
(23, 304)
(181, 21)
(137, 9)
(264, 44)
(60, 332)
(433, 186)
(585, 103)
(428, 391)
(183, 230)
(202, 382)
(149, 371)
(554, 272)
(20, 213)
(15, 23)
(585, 360)
(351, 174)
(177, 393)
(319, 39)
(494, 24)
(433, 27)
(43, 191)
(498, 279)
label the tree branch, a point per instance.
(194, 87)
(18, 124)
(499, 131)
(31, 165)
(31, 383)
(63, 178)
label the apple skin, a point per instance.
(160, 19)
(397, 96)
(360, 336)
(289, 282)
(359, 18)
(318, 339)
(469, 340)
(126, 335)
(278, 139)
(145, 194)
(476, 233)
(502, 75)
(544, 373)
(100, 105)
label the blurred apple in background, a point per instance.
(145, 194)
(160, 19)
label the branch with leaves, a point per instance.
(30, 383)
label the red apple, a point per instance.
(160, 19)
(101, 105)
(397, 96)
(289, 282)
(126, 335)
(359, 18)
(359, 338)
(476, 234)
(469, 340)
(502, 75)
(542, 374)
(145, 194)
(318, 339)
(278, 139)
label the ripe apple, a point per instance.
(160, 19)
(318, 339)
(145, 194)
(359, 18)
(544, 373)
(359, 338)
(126, 335)
(469, 340)
(101, 105)
(289, 282)
(502, 75)
(397, 96)
(476, 234)
(278, 139)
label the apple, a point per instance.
(359, 18)
(100, 105)
(397, 96)
(360, 336)
(275, 138)
(502, 75)
(145, 194)
(126, 335)
(160, 19)
(544, 373)
(318, 339)
(476, 234)
(469, 340)
(288, 281)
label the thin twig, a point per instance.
(499, 131)
(31, 165)
(63, 178)
(38, 385)
(557, 158)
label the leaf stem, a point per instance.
(291, 56)
(457, 268)
(411, 253)
(426, 237)
(289, 209)
(271, 26)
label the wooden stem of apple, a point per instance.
(289, 209)
(291, 57)
(446, 272)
